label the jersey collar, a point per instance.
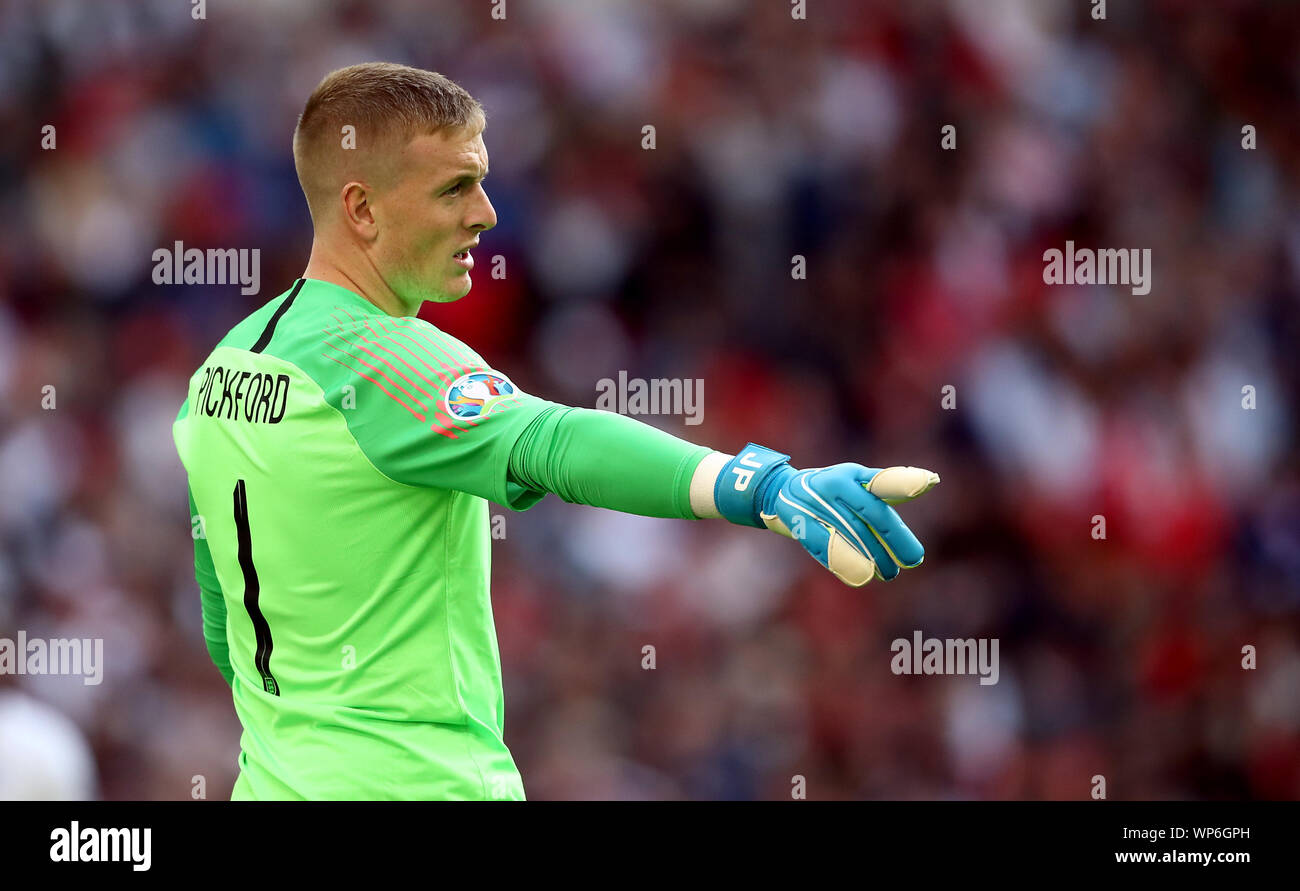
(327, 292)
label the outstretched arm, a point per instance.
(842, 514)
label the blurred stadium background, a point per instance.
(775, 137)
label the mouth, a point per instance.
(464, 258)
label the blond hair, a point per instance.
(388, 105)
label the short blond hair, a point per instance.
(388, 104)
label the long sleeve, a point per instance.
(212, 601)
(607, 460)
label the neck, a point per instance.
(361, 278)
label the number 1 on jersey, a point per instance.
(252, 590)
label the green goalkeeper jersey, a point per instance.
(339, 460)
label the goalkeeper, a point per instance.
(340, 454)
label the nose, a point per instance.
(482, 215)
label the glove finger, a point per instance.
(886, 526)
(847, 563)
(895, 485)
(886, 566)
(836, 554)
(827, 546)
(825, 491)
(794, 521)
(893, 534)
(777, 525)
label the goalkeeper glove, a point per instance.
(841, 514)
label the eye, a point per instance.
(453, 191)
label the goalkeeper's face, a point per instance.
(431, 215)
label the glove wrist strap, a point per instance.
(743, 484)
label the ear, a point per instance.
(357, 212)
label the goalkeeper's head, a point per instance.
(391, 159)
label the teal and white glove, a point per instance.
(841, 514)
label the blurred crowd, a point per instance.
(922, 334)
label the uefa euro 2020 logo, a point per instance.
(477, 394)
